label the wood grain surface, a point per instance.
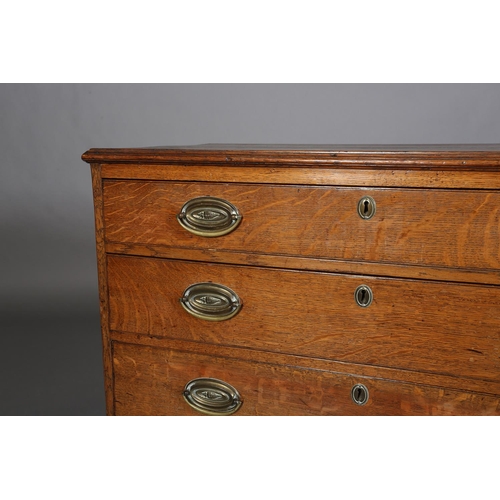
(416, 325)
(432, 178)
(487, 387)
(150, 381)
(454, 157)
(429, 344)
(103, 286)
(450, 274)
(411, 226)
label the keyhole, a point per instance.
(359, 394)
(366, 207)
(363, 296)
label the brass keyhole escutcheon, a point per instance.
(359, 394)
(366, 207)
(363, 295)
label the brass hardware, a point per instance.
(209, 217)
(359, 394)
(363, 295)
(366, 207)
(211, 396)
(210, 301)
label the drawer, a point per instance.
(155, 381)
(437, 327)
(433, 227)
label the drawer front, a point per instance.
(437, 327)
(153, 381)
(446, 228)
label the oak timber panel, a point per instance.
(442, 328)
(489, 387)
(476, 179)
(150, 381)
(454, 157)
(103, 286)
(411, 226)
(461, 275)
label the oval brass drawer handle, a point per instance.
(211, 396)
(209, 217)
(210, 301)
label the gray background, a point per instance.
(50, 355)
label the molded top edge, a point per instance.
(390, 155)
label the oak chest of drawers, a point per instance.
(299, 280)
